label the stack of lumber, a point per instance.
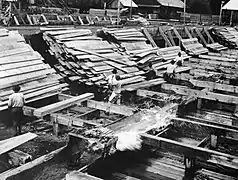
(225, 36)
(214, 64)
(216, 47)
(203, 173)
(21, 65)
(87, 59)
(193, 47)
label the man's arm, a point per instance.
(10, 102)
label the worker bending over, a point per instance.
(151, 73)
(179, 59)
(116, 91)
(15, 104)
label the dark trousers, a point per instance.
(17, 117)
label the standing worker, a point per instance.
(169, 75)
(116, 92)
(15, 104)
(179, 59)
(111, 78)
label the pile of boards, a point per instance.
(21, 65)
(87, 59)
(193, 47)
(226, 36)
(218, 67)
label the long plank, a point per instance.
(207, 84)
(81, 176)
(15, 142)
(71, 121)
(62, 104)
(6, 67)
(183, 90)
(15, 51)
(118, 109)
(154, 141)
(5, 175)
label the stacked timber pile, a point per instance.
(21, 65)
(214, 66)
(226, 36)
(85, 58)
(193, 47)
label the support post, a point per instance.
(231, 18)
(118, 11)
(55, 125)
(189, 163)
(220, 16)
(184, 13)
(199, 103)
(214, 141)
(131, 10)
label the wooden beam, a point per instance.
(15, 142)
(40, 112)
(72, 121)
(5, 175)
(80, 176)
(155, 141)
(183, 90)
(117, 109)
(217, 127)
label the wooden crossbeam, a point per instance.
(187, 32)
(171, 38)
(149, 37)
(164, 37)
(208, 35)
(71, 121)
(210, 125)
(155, 141)
(183, 90)
(40, 112)
(200, 36)
(207, 84)
(117, 109)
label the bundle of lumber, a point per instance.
(21, 65)
(225, 36)
(87, 59)
(214, 65)
(193, 47)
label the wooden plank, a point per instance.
(15, 142)
(20, 65)
(154, 141)
(80, 176)
(72, 121)
(5, 175)
(117, 109)
(183, 90)
(16, 51)
(40, 112)
(210, 125)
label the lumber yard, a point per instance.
(118, 90)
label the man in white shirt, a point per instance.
(111, 78)
(15, 104)
(179, 59)
(170, 71)
(116, 93)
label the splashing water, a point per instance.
(128, 141)
(156, 118)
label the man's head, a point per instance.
(114, 71)
(150, 64)
(172, 62)
(179, 54)
(118, 77)
(16, 88)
